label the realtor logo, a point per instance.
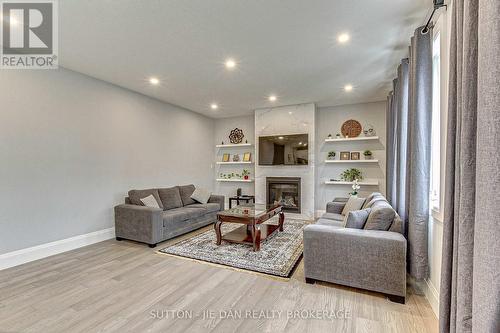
(29, 34)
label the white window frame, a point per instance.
(441, 27)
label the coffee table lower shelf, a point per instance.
(243, 234)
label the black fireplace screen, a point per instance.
(286, 191)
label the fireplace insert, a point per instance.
(286, 191)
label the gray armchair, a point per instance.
(367, 259)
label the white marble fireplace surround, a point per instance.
(296, 119)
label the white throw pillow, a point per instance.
(150, 201)
(354, 203)
(201, 195)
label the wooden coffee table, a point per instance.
(251, 216)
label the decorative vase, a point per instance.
(368, 157)
(245, 177)
(236, 158)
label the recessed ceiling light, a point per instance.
(230, 63)
(290, 112)
(348, 87)
(280, 137)
(300, 143)
(154, 81)
(343, 38)
(214, 106)
(273, 98)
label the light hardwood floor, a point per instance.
(127, 287)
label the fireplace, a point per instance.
(284, 190)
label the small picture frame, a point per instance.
(247, 157)
(345, 155)
(225, 158)
(355, 155)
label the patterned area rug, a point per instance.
(278, 254)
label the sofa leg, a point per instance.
(310, 281)
(396, 299)
(119, 238)
(152, 245)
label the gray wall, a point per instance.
(222, 129)
(72, 146)
(328, 121)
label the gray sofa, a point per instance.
(361, 258)
(177, 215)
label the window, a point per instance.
(435, 193)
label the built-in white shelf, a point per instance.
(235, 180)
(359, 138)
(234, 162)
(232, 145)
(351, 161)
(365, 183)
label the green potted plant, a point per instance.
(351, 175)
(368, 154)
(331, 155)
(245, 174)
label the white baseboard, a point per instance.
(23, 256)
(432, 296)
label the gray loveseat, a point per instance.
(177, 215)
(361, 258)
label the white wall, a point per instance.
(294, 119)
(329, 120)
(222, 129)
(72, 146)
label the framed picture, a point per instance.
(247, 157)
(225, 158)
(345, 155)
(355, 155)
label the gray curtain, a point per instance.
(391, 145)
(470, 282)
(419, 152)
(408, 149)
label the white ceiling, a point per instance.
(288, 48)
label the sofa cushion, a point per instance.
(354, 203)
(380, 217)
(150, 201)
(182, 214)
(333, 216)
(376, 198)
(356, 219)
(369, 202)
(186, 191)
(209, 207)
(135, 196)
(331, 223)
(170, 197)
(201, 195)
(397, 224)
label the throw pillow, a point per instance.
(186, 191)
(150, 201)
(135, 196)
(201, 195)
(356, 219)
(170, 197)
(354, 203)
(380, 217)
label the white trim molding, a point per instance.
(432, 296)
(29, 254)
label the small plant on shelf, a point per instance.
(331, 155)
(352, 174)
(245, 174)
(368, 154)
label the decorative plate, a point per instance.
(351, 128)
(236, 136)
